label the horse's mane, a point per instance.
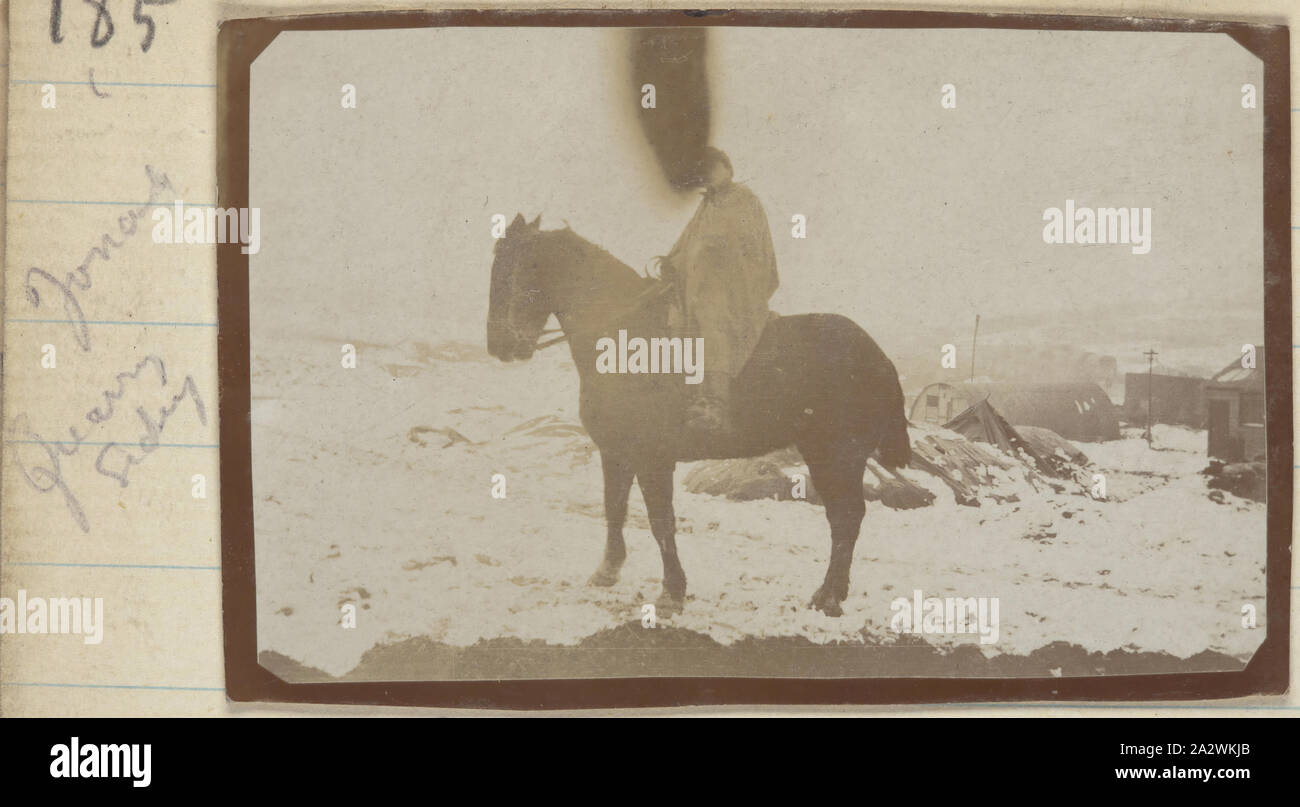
(591, 265)
(572, 243)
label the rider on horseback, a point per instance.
(724, 269)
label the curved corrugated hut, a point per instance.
(1076, 410)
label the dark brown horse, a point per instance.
(815, 381)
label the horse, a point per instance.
(814, 381)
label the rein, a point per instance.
(638, 302)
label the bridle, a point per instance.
(638, 302)
(557, 335)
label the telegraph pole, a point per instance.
(1151, 358)
(973, 338)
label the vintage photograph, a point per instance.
(755, 352)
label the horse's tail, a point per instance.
(895, 447)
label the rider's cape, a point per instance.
(726, 268)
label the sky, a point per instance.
(376, 221)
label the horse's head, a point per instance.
(517, 305)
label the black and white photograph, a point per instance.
(728, 351)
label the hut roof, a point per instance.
(1234, 376)
(1074, 410)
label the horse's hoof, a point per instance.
(668, 605)
(829, 608)
(825, 603)
(603, 578)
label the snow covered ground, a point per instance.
(365, 493)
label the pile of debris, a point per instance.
(782, 475)
(976, 455)
(1249, 480)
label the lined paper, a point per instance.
(101, 322)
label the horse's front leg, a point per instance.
(657, 490)
(618, 483)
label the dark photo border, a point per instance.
(241, 41)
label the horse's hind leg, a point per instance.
(838, 478)
(618, 483)
(657, 489)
